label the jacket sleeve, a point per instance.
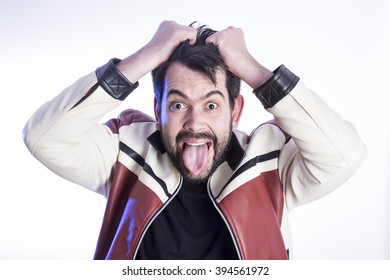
(324, 150)
(65, 134)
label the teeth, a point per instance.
(195, 144)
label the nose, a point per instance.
(195, 120)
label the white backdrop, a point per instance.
(339, 48)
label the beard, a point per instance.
(220, 146)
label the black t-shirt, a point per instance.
(189, 228)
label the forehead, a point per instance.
(181, 78)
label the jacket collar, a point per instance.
(234, 154)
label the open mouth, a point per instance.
(197, 143)
(196, 154)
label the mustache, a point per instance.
(182, 136)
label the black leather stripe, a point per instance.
(277, 87)
(113, 81)
(249, 164)
(141, 161)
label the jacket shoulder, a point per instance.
(128, 117)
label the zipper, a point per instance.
(155, 216)
(232, 235)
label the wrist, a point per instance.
(137, 65)
(112, 80)
(276, 87)
(250, 71)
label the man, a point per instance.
(189, 185)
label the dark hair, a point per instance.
(201, 57)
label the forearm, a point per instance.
(326, 150)
(65, 134)
(166, 39)
(139, 64)
(254, 74)
(232, 47)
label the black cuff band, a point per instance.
(277, 87)
(113, 81)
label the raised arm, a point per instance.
(65, 134)
(232, 47)
(325, 150)
(166, 39)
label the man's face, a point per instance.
(196, 121)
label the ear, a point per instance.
(156, 113)
(237, 111)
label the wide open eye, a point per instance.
(177, 106)
(212, 106)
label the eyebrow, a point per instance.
(181, 94)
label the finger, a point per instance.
(192, 34)
(213, 39)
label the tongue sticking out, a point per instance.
(195, 158)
